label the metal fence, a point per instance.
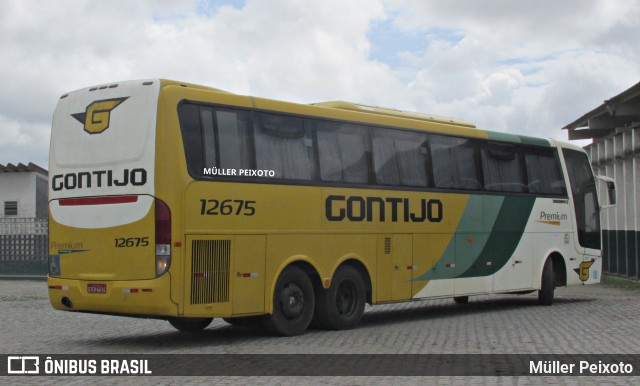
(23, 245)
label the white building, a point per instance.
(23, 219)
(614, 128)
(23, 191)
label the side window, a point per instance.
(189, 115)
(585, 203)
(342, 149)
(214, 138)
(502, 168)
(284, 145)
(400, 158)
(233, 139)
(543, 170)
(454, 163)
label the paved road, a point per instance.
(588, 319)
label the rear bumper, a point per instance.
(133, 297)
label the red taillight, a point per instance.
(163, 223)
(163, 238)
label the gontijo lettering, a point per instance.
(356, 208)
(99, 178)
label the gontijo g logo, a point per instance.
(97, 115)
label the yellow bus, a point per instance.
(182, 202)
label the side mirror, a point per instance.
(610, 189)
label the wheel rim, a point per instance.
(346, 298)
(292, 301)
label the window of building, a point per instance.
(11, 208)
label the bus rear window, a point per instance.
(214, 138)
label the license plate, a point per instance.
(95, 288)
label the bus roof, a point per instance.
(384, 114)
(393, 113)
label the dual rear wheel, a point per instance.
(340, 307)
(296, 304)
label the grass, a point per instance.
(619, 281)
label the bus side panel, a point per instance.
(225, 275)
(248, 275)
(428, 250)
(208, 267)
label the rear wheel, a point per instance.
(340, 307)
(547, 284)
(190, 324)
(293, 303)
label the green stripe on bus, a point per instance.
(505, 237)
(505, 218)
(480, 211)
(471, 240)
(534, 141)
(497, 136)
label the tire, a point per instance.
(547, 284)
(293, 303)
(190, 324)
(461, 299)
(340, 307)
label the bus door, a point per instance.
(586, 214)
(395, 267)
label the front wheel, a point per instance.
(293, 303)
(190, 324)
(340, 307)
(547, 284)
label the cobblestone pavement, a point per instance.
(583, 320)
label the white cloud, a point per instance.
(23, 142)
(518, 66)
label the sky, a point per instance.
(523, 67)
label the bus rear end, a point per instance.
(109, 237)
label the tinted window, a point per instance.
(233, 139)
(214, 138)
(189, 115)
(400, 158)
(342, 149)
(583, 190)
(543, 170)
(284, 145)
(454, 163)
(502, 168)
